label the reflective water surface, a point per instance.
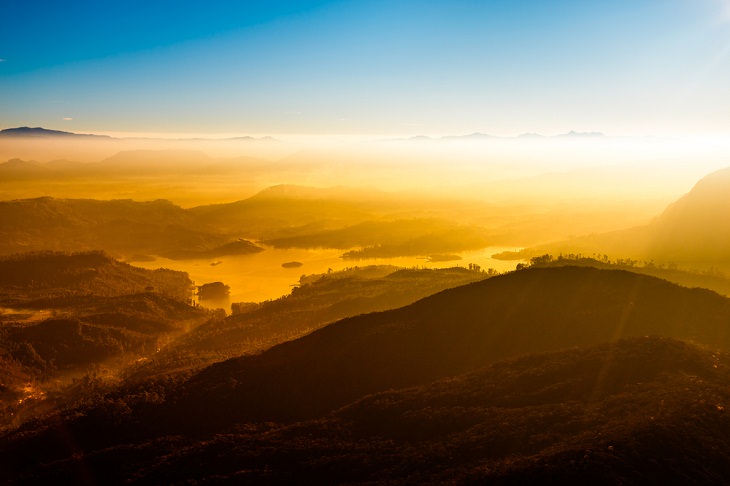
(261, 276)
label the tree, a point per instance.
(541, 260)
(213, 290)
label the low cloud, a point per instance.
(67, 118)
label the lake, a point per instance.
(260, 276)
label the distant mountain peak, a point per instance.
(248, 138)
(39, 132)
(573, 133)
(471, 136)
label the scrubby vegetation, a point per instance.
(47, 275)
(639, 410)
(713, 279)
(123, 227)
(70, 315)
(642, 410)
(319, 299)
(561, 374)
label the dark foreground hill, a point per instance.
(419, 394)
(449, 333)
(637, 411)
(647, 410)
(317, 301)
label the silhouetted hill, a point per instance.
(637, 411)
(380, 225)
(143, 166)
(471, 136)
(384, 239)
(478, 136)
(48, 275)
(125, 323)
(696, 227)
(452, 332)
(119, 226)
(67, 315)
(640, 411)
(46, 133)
(317, 301)
(691, 231)
(288, 208)
(38, 132)
(574, 134)
(283, 216)
(49, 345)
(356, 401)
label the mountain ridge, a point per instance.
(49, 133)
(39, 132)
(490, 320)
(692, 230)
(570, 374)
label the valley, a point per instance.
(349, 335)
(369, 242)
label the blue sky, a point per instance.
(367, 67)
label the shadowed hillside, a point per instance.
(696, 228)
(284, 217)
(451, 332)
(118, 226)
(317, 301)
(646, 410)
(362, 223)
(383, 225)
(535, 416)
(643, 410)
(63, 316)
(46, 275)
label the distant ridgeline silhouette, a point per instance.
(694, 230)
(38, 132)
(121, 226)
(52, 274)
(696, 227)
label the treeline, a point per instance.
(711, 278)
(57, 273)
(319, 299)
(74, 313)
